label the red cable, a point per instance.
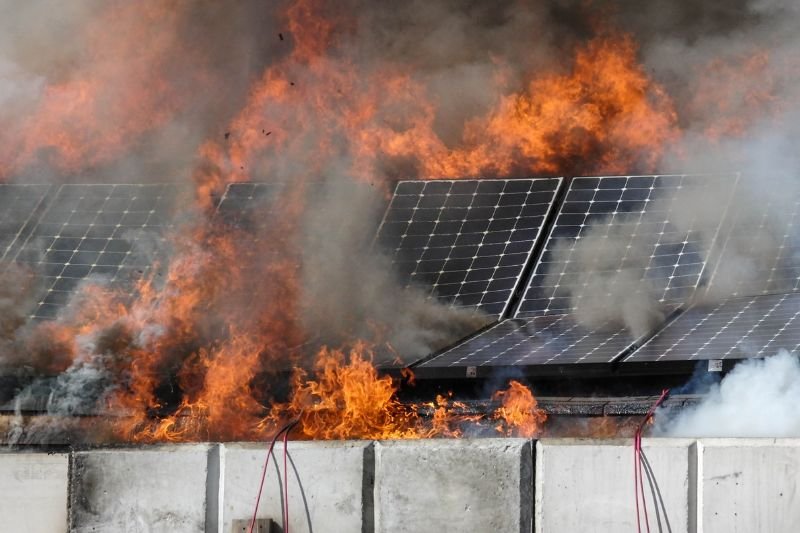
(638, 477)
(285, 484)
(641, 483)
(286, 429)
(636, 482)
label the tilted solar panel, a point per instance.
(738, 328)
(626, 234)
(18, 207)
(468, 241)
(109, 231)
(542, 340)
(759, 250)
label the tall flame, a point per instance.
(122, 91)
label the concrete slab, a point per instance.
(150, 490)
(749, 485)
(453, 486)
(330, 485)
(587, 485)
(33, 492)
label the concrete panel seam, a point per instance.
(70, 469)
(699, 486)
(368, 490)
(213, 488)
(538, 480)
(692, 489)
(526, 488)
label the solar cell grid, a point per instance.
(641, 237)
(97, 230)
(543, 340)
(467, 240)
(18, 205)
(735, 329)
(759, 250)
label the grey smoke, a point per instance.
(603, 277)
(758, 398)
(350, 287)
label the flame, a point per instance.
(733, 94)
(121, 91)
(519, 413)
(605, 115)
(348, 399)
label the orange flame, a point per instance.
(732, 95)
(605, 115)
(348, 399)
(122, 91)
(519, 413)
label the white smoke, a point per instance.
(758, 398)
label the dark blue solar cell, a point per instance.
(465, 229)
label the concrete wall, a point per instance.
(453, 486)
(748, 485)
(583, 486)
(487, 485)
(161, 489)
(330, 485)
(33, 492)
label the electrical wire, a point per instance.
(638, 477)
(285, 483)
(284, 430)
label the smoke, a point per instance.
(112, 91)
(601, 287)
(349, 289)
(758, 398)
(16, 288)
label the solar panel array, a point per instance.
(471, 243)
(466, 241)
(629, 230)
(95, 230)
(738, 328)
(618, 235)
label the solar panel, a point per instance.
(466, 241)
(631, 231)
(18, 207)
(95, 230)
(735, 329)
(759, 246)
(542, 340)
